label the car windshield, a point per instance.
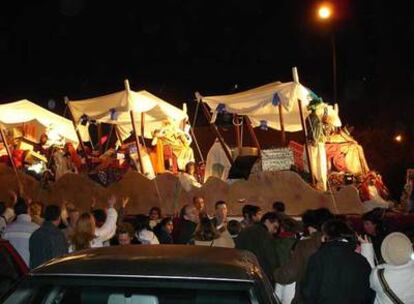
(137, 291)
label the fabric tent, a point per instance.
(114, 109)
(15, 114)
(261, 104)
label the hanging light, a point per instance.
(84, 120)
(263, 125)
(276, 100)
(113, 114)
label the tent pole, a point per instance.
(237, 132)
(141, 165)
(282, 126)
(118, 135)
(88, 162)
(197, 145)
(252, 133)
(142, 125)
(109, 138)
(131, 114)
(6, 145)
(305, 135)
(100, 145)
(216, 131)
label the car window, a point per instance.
(112, 294)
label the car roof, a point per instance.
(156, 261)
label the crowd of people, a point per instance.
(317, 259)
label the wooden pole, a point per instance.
(6, 145)
(118, 135)
(100, 145)
(131, 114)
(252, 133)
(88, 161)
(142, 125)
(216, 131)
(197, 145)
(282, 126)
(237, 132)
(305, 135)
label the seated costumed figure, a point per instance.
(178, 141)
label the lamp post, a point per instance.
(325, 13)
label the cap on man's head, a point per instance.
(396, 249)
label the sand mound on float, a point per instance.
(165, 191)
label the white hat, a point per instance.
(396, 249)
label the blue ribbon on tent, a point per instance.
(114, 114)
(221, 108)
(263, 125)
(276, 100)
(84, 119)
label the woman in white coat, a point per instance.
(87, 235)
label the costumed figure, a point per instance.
(63, 162)
(217, 163)
(177, 142)
(373, 192)
(318, 138)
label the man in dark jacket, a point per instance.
(48, 241)
(336, 273)
(185, 228)
(295, 268)
(258, 238)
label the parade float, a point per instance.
(324, 167)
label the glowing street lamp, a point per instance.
(398, 138)
(325, 12)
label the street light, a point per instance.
(325, 12)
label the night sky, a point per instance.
(80, 48)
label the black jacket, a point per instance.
(258, 240)
(46, 243)
(163, 236)
(337, 274)
(185, 232)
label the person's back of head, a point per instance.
(100, 217)
(206, 231)
(142, 223)
(315, 218)
(335, 229)
(20, 207)
(271, 220)
(234, 228)
(250, 211)
(84, 232)
(279, 206)
(52, 213)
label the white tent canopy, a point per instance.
(16, 113)
(100, 109)
(261, 104)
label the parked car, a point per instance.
(147, 274)
(12, 266)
